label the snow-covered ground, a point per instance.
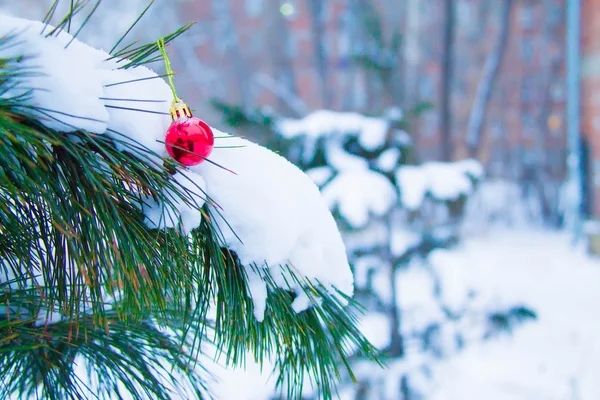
(555, 357)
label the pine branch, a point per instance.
(144, 54)
(73, 244)
(313, 343)
(81, 360)
(131, 27)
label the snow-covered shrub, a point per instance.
(399, 221)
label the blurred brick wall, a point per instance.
(590, 94)
(525, 119)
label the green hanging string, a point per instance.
(170, 73)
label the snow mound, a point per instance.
(359, 194)
(442, 181)
(143, 116)
(388, 160)
(73, 86)
(270, 214)
(63, 84)
(371, 131)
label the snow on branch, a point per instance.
(268, 211)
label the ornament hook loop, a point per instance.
(179, 109)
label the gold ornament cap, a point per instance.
(179, 109)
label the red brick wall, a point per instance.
(517, 96)
(590, 89)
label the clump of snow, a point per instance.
(371, 132)
(413, 185)
(374, 235)
(446, 181)
(258, 292)
(269, 212)
(402, 240)
(402, 138)
(359, 194)
(320, 175)
(65, 84)
(471, 167)
(133, 121)
(76, 87)
(394, 114)
(442, 181)
(376, 328)
(282, 219)
(388, 160)
(381, 283)
(340, 159)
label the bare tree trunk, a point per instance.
(546, 177)
(396, 342)
(316, 11)
(396, 348)
(280, 48)
(412, 52)
(226, 30)
(447, 77)
(486, 84)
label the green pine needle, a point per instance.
(134, 301)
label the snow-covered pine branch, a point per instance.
(125, 237)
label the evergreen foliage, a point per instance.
(138, 307)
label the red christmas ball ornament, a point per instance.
(189, 140)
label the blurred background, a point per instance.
(456, 143)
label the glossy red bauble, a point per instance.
(189, 141)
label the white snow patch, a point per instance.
(388, 160)
(402, 138)
(403, 240)
(359, 194)
(341, 160)
(371, 131)
(258, 291)
(320, 175)
(376, 328)
(415, 287)
(394, 114)
(442, 181)
(272, 214)
(149, 120)
(471, 167)
(77, 87)
(446, 181)
(65, 84)
(413, 184)
(381, 283)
